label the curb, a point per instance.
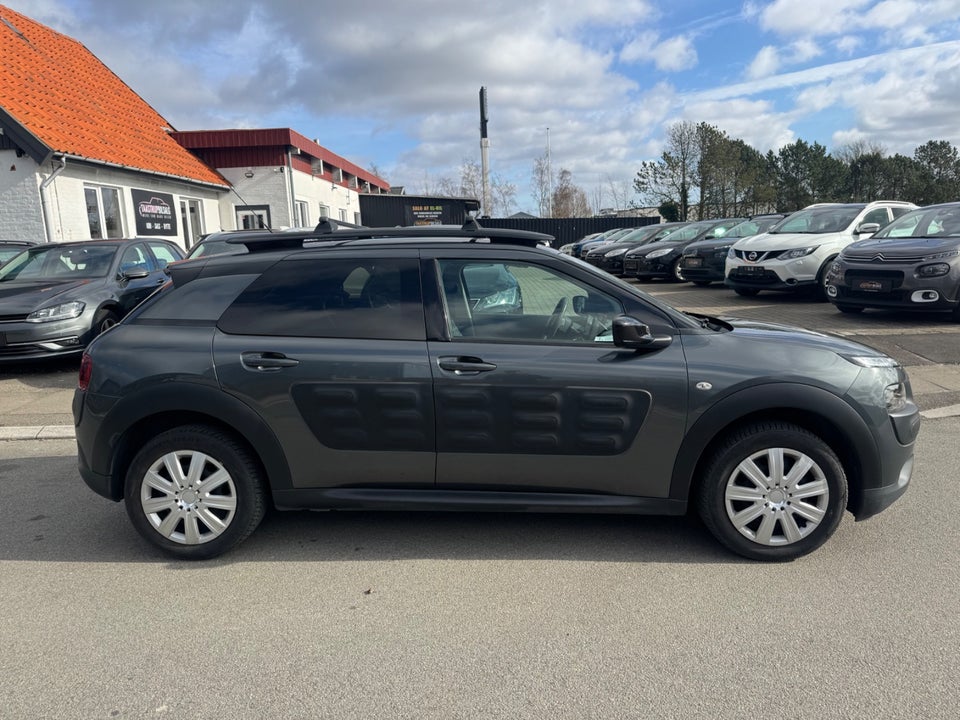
(66, 432)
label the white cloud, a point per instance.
(766, 63)
(670, 55)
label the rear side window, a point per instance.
(333, 298)
(202, 300)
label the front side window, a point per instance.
(164, 254)
(926, 222)
(103, 212)
(877, 215)
(361, 298)
(523, 302)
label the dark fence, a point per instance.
(567, 230)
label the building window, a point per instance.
(302, 214)
(343, 215)
(356, 218)
(103, 212)
(191, 217)
(324, 212)
(253, 217)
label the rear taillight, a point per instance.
(86, 369)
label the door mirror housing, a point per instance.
(628, 332)
(867, 228)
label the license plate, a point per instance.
(752, 269)
(874, 285)
(630, 265)
(693, 262)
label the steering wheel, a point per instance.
(553, 324)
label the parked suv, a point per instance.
(352, 369)
(912, 264)
(796, 254)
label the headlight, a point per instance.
(659, 253)
(895, 396)
(935, 270)
(797, 253)
(65, 311)
(617, 252)
(722, 248)
(835, 268)
(732, 254)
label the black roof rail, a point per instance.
(330, 231)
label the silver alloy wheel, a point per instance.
(777, 496)
(188, 497)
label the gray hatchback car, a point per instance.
(911, 264)
(352, 369)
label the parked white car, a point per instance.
(798, 253)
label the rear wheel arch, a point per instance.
(140, 416)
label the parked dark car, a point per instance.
(11, 248)
(911, 264)
(586, 244)
(353, 372)
(662, 259)
(610, 256)
(55, 298)
(704, 261)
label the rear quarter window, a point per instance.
(202, 300)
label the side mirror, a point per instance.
(867, 229)
(628, 332)
(134, 274)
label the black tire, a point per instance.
(676, 272)
(183, 525)
(746, 292)
(103, 321)
(701, 283)
(820, 290)
(768, 521)
(851, 309)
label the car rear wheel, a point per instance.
(194, 492)
(773, 491)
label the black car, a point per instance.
(662, 259)
(703, 261)
(352, 369)
(11, 248)
(610, 256)
(56, 297)
(911, 264)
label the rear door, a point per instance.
(531, 393)
(330, 350)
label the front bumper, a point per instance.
(703, 267)
(21, 340)
(773, 274)
(892, 289)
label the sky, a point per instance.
(394, 85)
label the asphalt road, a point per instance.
(376, 615)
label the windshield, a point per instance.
(688, 232)
(752, 227)
(216, 247)
(60, 262)
(934, 222)
(815, 221)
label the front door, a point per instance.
(532, 394)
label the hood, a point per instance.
(659, 245)
(785, 241)
(710, 244)
(788, 334)
(23, 297)
(903, 247)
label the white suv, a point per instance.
(798, 252)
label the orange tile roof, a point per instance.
(72, 103)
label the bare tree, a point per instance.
(540, 185)
(569, 200)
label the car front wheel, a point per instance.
(773, 491)
(194, 492)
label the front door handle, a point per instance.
(464, 365)
(267, 361)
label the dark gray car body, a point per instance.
(441, 422)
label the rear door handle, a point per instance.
(464, 365)
(267, 361)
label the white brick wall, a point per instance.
(21, 217)
(21, 212)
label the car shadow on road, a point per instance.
(53, 517)
(54, 373)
